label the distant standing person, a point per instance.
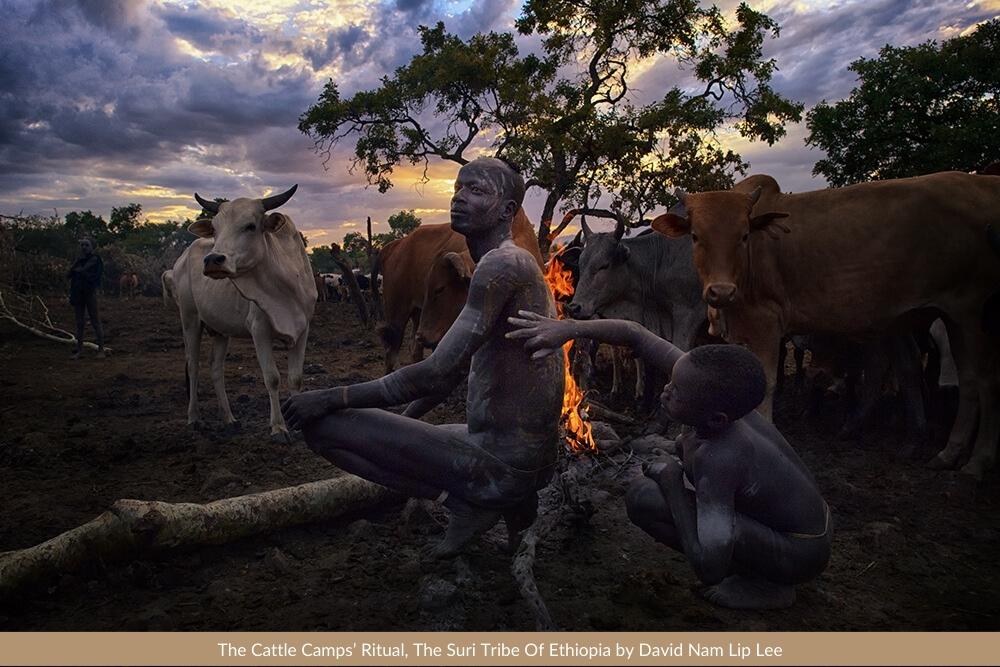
(84, 280)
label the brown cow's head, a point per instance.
(238, 229)
(720, 225)
(447, 290)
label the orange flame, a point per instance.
(574, 422)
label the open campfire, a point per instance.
(575, 423)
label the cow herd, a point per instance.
(871, 268)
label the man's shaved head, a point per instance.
(510, 183)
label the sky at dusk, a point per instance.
(107, 102)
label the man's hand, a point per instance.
(544, 335)
(304, 408)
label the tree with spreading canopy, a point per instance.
(124, 219)
(917, 110)
(569, 116)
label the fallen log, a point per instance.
(135, 528)
(54, 333)
(598, 412)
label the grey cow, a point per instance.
(648, 279)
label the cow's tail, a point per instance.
(993, 236)
(167, 283)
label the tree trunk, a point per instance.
(352, 284)
(134, 528)
(545, 226)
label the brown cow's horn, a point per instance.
(755, 195)
(212, 206)
(274, 201)
(583, 224)
(681, 195)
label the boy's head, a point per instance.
(714, 385)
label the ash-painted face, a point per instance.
(482, 197)
(86, 247)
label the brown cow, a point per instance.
(128, 284)
(426, 281)
(320, 286)
(855, 261)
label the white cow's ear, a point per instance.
(274, 221)
(202, 227)
(672, 225)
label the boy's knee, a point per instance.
(644, 501)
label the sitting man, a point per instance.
(495, 465)
(740, 505)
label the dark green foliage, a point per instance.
(82, 224)
(402, 223)
(916, 110)
(124, 220)
(566, 116)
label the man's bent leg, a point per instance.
(389, 449)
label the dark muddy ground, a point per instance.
(913, 549)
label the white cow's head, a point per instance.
(238, 229)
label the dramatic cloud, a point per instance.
(104, 102)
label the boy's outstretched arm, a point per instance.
(544, 336)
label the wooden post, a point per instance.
(352, 284)
(373, 276)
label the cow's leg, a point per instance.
(876, 364)
(985, 360)
(779, 381)
(906, 361)
(616, 371)
(219, 346)
(968, 399)
(296, 359)
(417, 351)
(392, 338)
(640, 380)
(192, 350)
(264, 346)
(765, 342)
(800, 360)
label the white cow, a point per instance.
(247, 276)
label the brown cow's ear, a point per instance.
(274, 221)
(766, 221)
(202, 227)
(459, 264)
(672, 225)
